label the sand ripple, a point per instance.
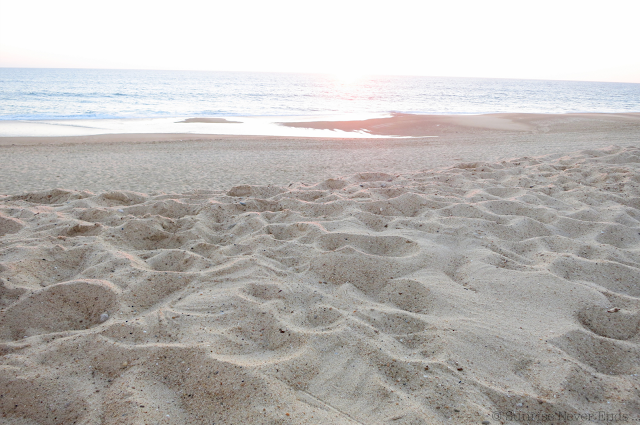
(435, 297)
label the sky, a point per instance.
(554, 40)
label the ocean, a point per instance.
(90, 94)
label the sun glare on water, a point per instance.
(346, 77)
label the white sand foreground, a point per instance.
(502, 292)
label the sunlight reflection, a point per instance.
(348, 77)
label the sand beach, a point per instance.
(477, 270)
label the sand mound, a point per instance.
(58, 308)
(441, 296)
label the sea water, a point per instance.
(88, 95)
(45, 94)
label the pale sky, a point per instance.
(558, 39)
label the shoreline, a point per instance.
(183, 162)
(395, 126)
(249, 126)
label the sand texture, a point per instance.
(177, 163)
(430, 297)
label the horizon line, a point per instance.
(318, 73)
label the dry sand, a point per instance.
(436, 296)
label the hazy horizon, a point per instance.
(310, 73)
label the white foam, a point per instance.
(247, 126)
